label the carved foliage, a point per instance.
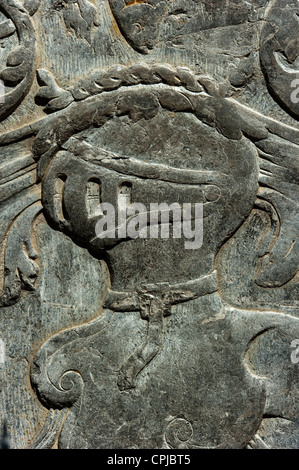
(79, 16)
(19, 71)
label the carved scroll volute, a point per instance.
(17, 75)
(139, 21)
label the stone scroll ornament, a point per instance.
(17, 31)
(141, 374)
(19, 259)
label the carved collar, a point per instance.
(170, 294)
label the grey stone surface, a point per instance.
(140, 342)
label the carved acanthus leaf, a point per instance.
(56, 98)
(19, 71)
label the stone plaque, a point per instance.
(149, 222)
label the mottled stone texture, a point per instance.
(138, 342)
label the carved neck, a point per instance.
(144, 262)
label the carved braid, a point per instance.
(136, 74)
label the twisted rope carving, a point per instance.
(125, 76)
(136, 74)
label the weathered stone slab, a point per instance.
(172, 321)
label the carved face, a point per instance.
(139, 21)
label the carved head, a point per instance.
(139, 21)
(151, 145)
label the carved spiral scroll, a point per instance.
(178, 433)
(56, 386)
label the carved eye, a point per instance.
(93, 196)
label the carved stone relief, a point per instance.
(112, 341)
(19, 50)
(280, 52)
